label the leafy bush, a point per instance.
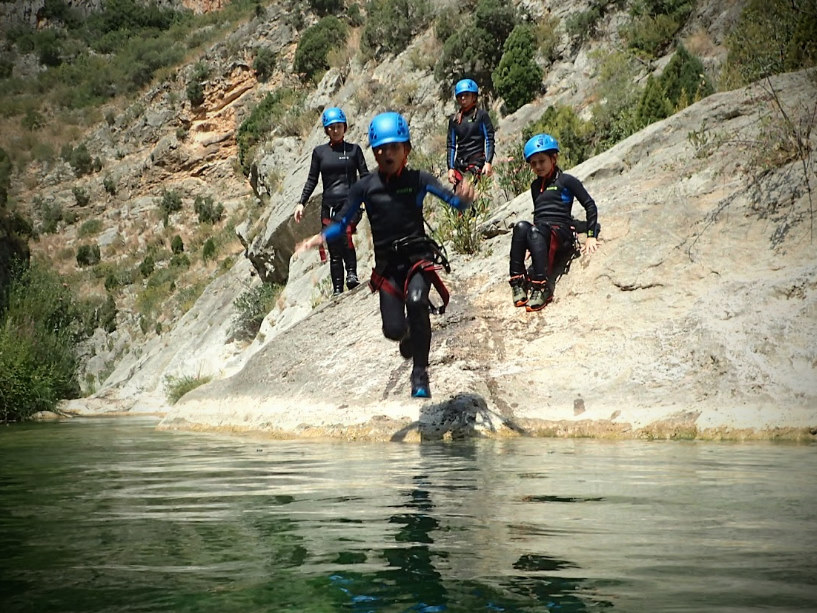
(195, 93)
(176, 244)
(80, 159)
(574, 135)
(33, 120)
(392, 24)
(264, 63)
(313, 48)
(655, 23)
(89, 228)
(50, 214)
(354, 16)
(208, 250)
(772, 36)
(684, 80)
(147, 266)
(81, 196)
(176, 387)
(475, 49)
(518, 77)
(88, 255)
(170, 202)
(653, 105)
(38, 335)
(262, 121)
(252, 307)
(582, 26)
(207, 211)
(326, 7)
(109, 185)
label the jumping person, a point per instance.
(550, 238)
(404, 271)
(470, 140)
(338, 163)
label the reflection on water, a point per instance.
(110, 515)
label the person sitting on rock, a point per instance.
(404, 256)
(470, 140)
(551, 237)
(338, 163)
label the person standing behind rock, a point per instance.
(550, 238)
(470, 140)
(404, 271)
(339, 164)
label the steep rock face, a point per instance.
(680, 326)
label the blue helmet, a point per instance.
(541, 143)
(388, 128)
(333, 115)
(466, 85)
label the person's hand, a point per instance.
(309, 243)
(590, 245)
(487, 170)
(465, 191)
(299, 213)
(452, 176)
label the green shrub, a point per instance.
(354, 16)
(5, 176)
(653, 105)
(6, 67)
(326, 7)
(81, 196)
(684, 80)
(176, 244)
(176, 387)
(518, 78)
(147, 266)
(655, 23)
(772, 36)
(50, 214)
(261, 122)
(89, 228)
(315, 44)
(475, 49)
(264, 63)
(392, 24)
(574, 135)
(583, 25)
(38, 335)
(208, 250)
(97, 312)
(109, 185)
(116, 277)
(33, 120)
(180, 260)
(614, 118)
(195, 92)
(252, 306)
(207, 211)
(170, 202)
(88, 255)
(79, 158)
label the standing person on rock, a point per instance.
(339, 164)
(470, 140)
(551, 237)
(405, 257)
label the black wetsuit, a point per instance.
(394, 207)
(339, 166)
(470, 141)
(552, 205)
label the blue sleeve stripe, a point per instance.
(444, 195)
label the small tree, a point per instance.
(653, 105)
(264, 63)
(147, 266)
(207, 211)
(313, 48)
(81, 197)
(170, 203)
(176, 244)
(208, 249)
(518, 78)
(88, 255)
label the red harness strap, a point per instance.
(554, 247)
(378, 282)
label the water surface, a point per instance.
(111, 515)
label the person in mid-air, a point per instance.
(551, 237)
(339, 164)
(404, 256)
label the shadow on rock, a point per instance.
(460, 417)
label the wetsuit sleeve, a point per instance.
(488, 134)
(347, 214)
(312, 178)
(590, 209)
(430, 185)
(451, 144)
(362, 169)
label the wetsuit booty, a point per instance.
(405, 346)
(519, 290)
(351, 280)
(420, 387)
(337, 291)
(541, 293)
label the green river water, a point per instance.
(112, 515)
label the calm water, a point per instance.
(110, 515)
